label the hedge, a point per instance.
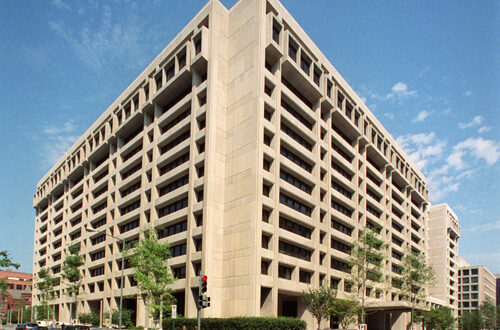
(247, 323)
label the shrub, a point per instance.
(89, 318)
(126, 318)
(247, 323)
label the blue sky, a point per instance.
(429, 70)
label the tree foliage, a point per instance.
(470, 321)
(487, 312)
(367, 256)
(45, 284)
(151, 271)
(440, 318)
(318, 301)
(71, 273)
(114, 318)
(417, 275)
(5, 260)
(346, 311)
(91, 318)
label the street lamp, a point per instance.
(92, 230)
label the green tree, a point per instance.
(114, 318)
(91, 318)
(149, 259)
(417, 275)
(487, 312)
(346, 311)
(318, 301)
(71, 273)
(5, 262)
(498, 316)
(470, 321)
(367, 256)
(440, 318)
(45, 284)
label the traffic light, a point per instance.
(203, 284)
(203, 299)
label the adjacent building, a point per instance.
(18, 293)
(476, 284)
(498, 289)
(251, 155)
(444, 233)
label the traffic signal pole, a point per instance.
(203, 300)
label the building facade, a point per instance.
(444, 233)
(476, 284)
(498, 288)
(250, 154)
(19, 287)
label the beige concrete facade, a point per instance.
(444, 233)
(476, 284)
(256, 161)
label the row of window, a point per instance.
(174, 185)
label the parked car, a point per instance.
(74, 327)
(30, 326)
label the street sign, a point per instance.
(174, 311)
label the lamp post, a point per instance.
(92, 230)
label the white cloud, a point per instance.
(67, 127)
(60, 4)
(478, 148)
(56, 141)
(421, 116)
(422, 148)
(490, 226)
(474, 122)
(468, 93)
(484, 129)
(105, 41)
(400, 90)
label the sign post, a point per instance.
(174, 315)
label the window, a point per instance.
(305, 64)
(305, 276)
(175, 163)
(175, 121)
(295, 228)
(131, 189)
(341, 189)
(296, 114)
(97, 271)
(131, 171)
(178, 250)
(179, 272)
(173, 207)
(174, 185)
(276, 33)
(178, 140)
(291, 133)
(285, 272)
(129, 226)
(173, 229)
(131, 153)
(341, 227)
(97, 255)
(286, 176)
(99, 207)
(341, 171)
(342, 209)
(264, 267)
(129, 208)
(339, 246)
(292, 50)
(295, 159)
(339, 265)
(98, 239)
(294, 251)
(294, 204)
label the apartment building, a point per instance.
(444, 233)
(476, 284)
(251, 155)
(19, 287)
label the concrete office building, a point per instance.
(255, 160)
(444, 233)
(498, 288)
(476, 284)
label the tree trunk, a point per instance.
(319, 324)
(161, 315)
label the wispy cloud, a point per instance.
(474, 122)
(60, 4)
(468, 93)
(477, 148)
(484, 129)
(106, 42)
(56, 141)
(400, 90)
(423, 149)
(489, 226)
(422, 115)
